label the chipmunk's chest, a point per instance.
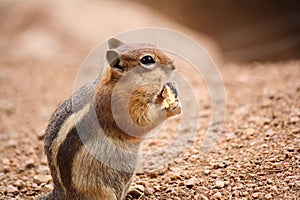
(101, 168)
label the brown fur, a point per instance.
(93, 138)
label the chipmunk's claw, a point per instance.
(174, 109)
(135, 192)
(173, 87)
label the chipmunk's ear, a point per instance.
(113, 58)
(114, 43)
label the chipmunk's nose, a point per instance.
(172, 67)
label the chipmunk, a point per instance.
(93, 138)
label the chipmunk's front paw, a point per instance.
(174, 109)
(170, 99)
(135, 192)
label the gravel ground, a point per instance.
(257, 156)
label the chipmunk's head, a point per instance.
(148, 62)
(138, 72)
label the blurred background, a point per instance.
(232, 30)
(244, 30)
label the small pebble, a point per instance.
(251, 185)
(191, 182)
(285, 188)
(11, 143)
(218, 195)
(49, 186)
(29, 163)
(42, 179)
(5, 161)
(295, 131)
(274, 188)
(12, 189)
(236, 188)
(175, 176)
(44, 170)
(245, 193)
(270, 181)
(220, 184)
(19, 183)
(270, 133)
(268, 196)
(44, 160)
(40, 135)
(255, 195)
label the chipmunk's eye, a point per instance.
(147, 60)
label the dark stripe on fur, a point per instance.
(66, 153)
(85, 130)
(76, 102)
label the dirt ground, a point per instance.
(257, 156)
